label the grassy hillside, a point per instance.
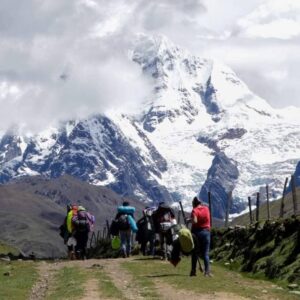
(274, 210)
(6, 249)
(271, 249)
(33, 208)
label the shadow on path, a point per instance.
(165, 275)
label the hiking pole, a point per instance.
(185, 223)
(184, 219)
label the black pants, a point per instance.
(82, 239)
(149, 237)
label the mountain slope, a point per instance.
(33, 208)
(198, 111)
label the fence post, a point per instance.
(93, 237)
(268, 202)
(229, 198)
(210, 208)
(281, 214)
(178, 216)
(257, 207)
(294, 192)
(98, 237)
(108, 229)
(250, 210)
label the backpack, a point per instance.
(116, 243)
(81, 222)
(63, 230)
(114, 228)
(71, 214)
(123, 222)
(186, 240)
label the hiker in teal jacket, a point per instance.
(125, 220)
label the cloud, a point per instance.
(65, 59)
(260, 41)
(53, 68)
(272, 19)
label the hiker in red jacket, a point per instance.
(200, 218)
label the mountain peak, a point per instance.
(155, 45)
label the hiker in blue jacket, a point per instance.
(125, 219)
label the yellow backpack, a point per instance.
(186, 240)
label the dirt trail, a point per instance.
(122, 279)
(92, 290)
(45, 277)
(168, 292)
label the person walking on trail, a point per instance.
(163, 218)
(67, 230)
(126, 223)
(83, 222)
(145, 233)
(200, 218)
(64, 231)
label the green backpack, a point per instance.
(116, 243)
(186, 240)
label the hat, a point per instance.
(81, 208)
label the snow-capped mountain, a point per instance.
(200, 129)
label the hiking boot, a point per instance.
(73, 256)
(193, 273)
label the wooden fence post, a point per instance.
(108, 229)
(98, 236)
(268, 202)
(250, 210)
(294, 192)
(178, 217)
(281, 214)
(257, 207)
(210, 208)
(229, 198)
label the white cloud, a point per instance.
(280, 29)
(278, 75)
(61, 59)
(272, 19)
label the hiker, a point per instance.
(66, 230)
(145, 233)
(200, 218)
(83, 223)
(63, 231)
(126, 224)
(163, 219)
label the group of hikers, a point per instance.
(157, 233)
